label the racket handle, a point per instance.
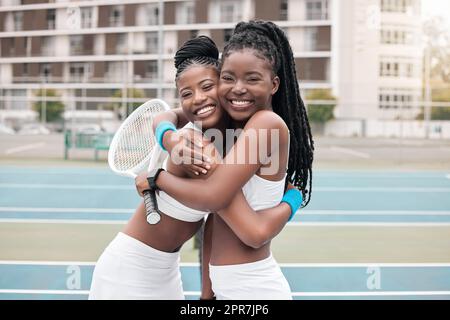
(151, 207)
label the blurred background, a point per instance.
(72, 70)
(375, 75)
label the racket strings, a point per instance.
(137, 141)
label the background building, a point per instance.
(367, 52)
(377, 53)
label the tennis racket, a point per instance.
(134, 149)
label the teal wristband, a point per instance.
(161, 130)
(294, 198)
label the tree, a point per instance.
(437, 40)
(53, 109)
(320, 113)
(130, 106)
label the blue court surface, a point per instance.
(340, 198)
(71, 280)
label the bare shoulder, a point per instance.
(266, 119)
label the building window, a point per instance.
(152, 14)
(51, 19)
(399, 6)
(230, 11)
(76, 45)
(311, 38)
(409, 70)
(25, 70)
(48, 46)
(396, 36)
(15, 104)
(186, 12)
(26, 45)
(151, 42)
(151, 70)
(398, 98)
(18, 20)
(114, 71)
(397, 67)
(79, 72)
(316, 9)
(86, 18)
(116, 16)
(284, 10)
(121, 46)
(45, 71)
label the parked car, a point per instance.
(4, 129)
(34, 128)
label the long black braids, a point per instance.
(268, 40)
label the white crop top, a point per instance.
(262, 193)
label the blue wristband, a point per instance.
(161, 129)
(294, 198)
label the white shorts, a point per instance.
(131, 270)
(260, 280)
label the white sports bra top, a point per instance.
(262, 193)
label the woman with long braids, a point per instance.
(142, 261)
(259, 90)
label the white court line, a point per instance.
(380, 189)
(64, 186)
(369, 224)
(364, 265)
(290, 224)
(25, 148)
(448, 176)
(47, 263)
(384, 174)
(64, 221)
(66, 210)
(284, 265)
(125, 187)
(34, 171)
(373, 212)
(323, 173)
(351, 152)
(369, 293)
(302, 212)
(25, 291)
(295, 294)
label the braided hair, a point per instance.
(197, 51)
(268, 41)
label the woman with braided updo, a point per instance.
(142, 262)
(258, 88)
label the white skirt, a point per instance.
(260, 280)
(131, 270)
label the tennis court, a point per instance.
(365, 235)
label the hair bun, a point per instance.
(201, 46)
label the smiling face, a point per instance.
(247, 84)
(197, 88)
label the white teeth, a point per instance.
(205, 110)
(240, 102)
